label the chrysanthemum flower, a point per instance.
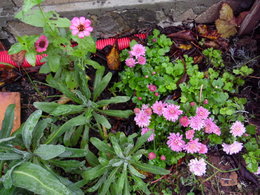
(234, 148)
(138, 50)
(145, 130)
(197, 167)
(142, 119)
(184, 121)
(202, 112)
(237, 129)
(193, 146)
(81, 27)
(130, 62)
(172, 112)
(158, 107)
(152, 88)
(141, 60)
(211, 127)
(175, 142)
(41, 44)
(196, 123)
(190, 134)
(203, 149)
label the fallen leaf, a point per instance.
(63, 100)
(184, 34)
(226, 24)
(206, 33)
(113, 58)
(229, 180)
(184, 46)
(197, 59)
(18, 58)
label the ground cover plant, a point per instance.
(180, 103)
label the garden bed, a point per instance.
(175, 113)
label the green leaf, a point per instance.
(38, 180)
(9, 156)
(7, 139)
(68, 165)
(135, 172)
(63, 109)
(16, 48)
(108, 182)
(101, 146)
(53, 61)
(94, 64)
(140, 141)
(113, 100)
(76, 121)
(94, 172)
(150, 168)
(61, 22)
(31, 58)
(102, 120)
(47, 152)
(99, 183)
(121, 180)
(7, 123)
(117, 113)
(28, 127)
(39, 131)
(73, 153)
(7, 178)
(116, 146)
(251, 129)
(100, 86)
(91, 158)
(84, 84)
(28, 4)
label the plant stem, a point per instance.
(220, 170)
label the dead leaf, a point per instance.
(184, 46)
(113, 58)
(229, 180)
(206, 33)
(226, 24)
(184, 34)
(63, 100)
(197, 59)
(18, 58)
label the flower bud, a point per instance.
(151, 155)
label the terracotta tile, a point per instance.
(7, 98)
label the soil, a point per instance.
(32, 88)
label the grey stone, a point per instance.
(187, 15)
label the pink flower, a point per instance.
(151, 156)
(197, 167)
(145, 130)
(193, 146)
(175, 142)
(153, 73)
(172, 112)
(237, 129)
(130, 62)
(211, 127)
(163, 157)
(148, 111)
(156, 94)
(145, 106)
(202, 112)
(205, 101)
(203, 149)
(41, 44)
(81, 27)
(142, 119)
(158, 107)
(192, 103)
(152, 88)
(141, 60)
(140, 98)
(137, 110)
(190, 134)
(138, 50)
(184, 121)
(234, 148)
(196, 122)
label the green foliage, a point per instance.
(119, 166)
(158, 70)
(89, 111)
(214, 56)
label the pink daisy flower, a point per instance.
(81, 27)
(148, 111)
(190, 134)
(197, 167)
(172, 112)
(145, 130)
(237, 129)
(138, 50)
(175, 142)
(234, 148)
(184, 121)
(141, 60)
(152, 88)
(211, 127)
(163, 157)
(202, 112)
(130, 62)
(196, 122)
(158, 107)
(41, 44)
(203, 149)
(142, 119)
(193, 146)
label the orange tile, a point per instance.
(7, 98)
